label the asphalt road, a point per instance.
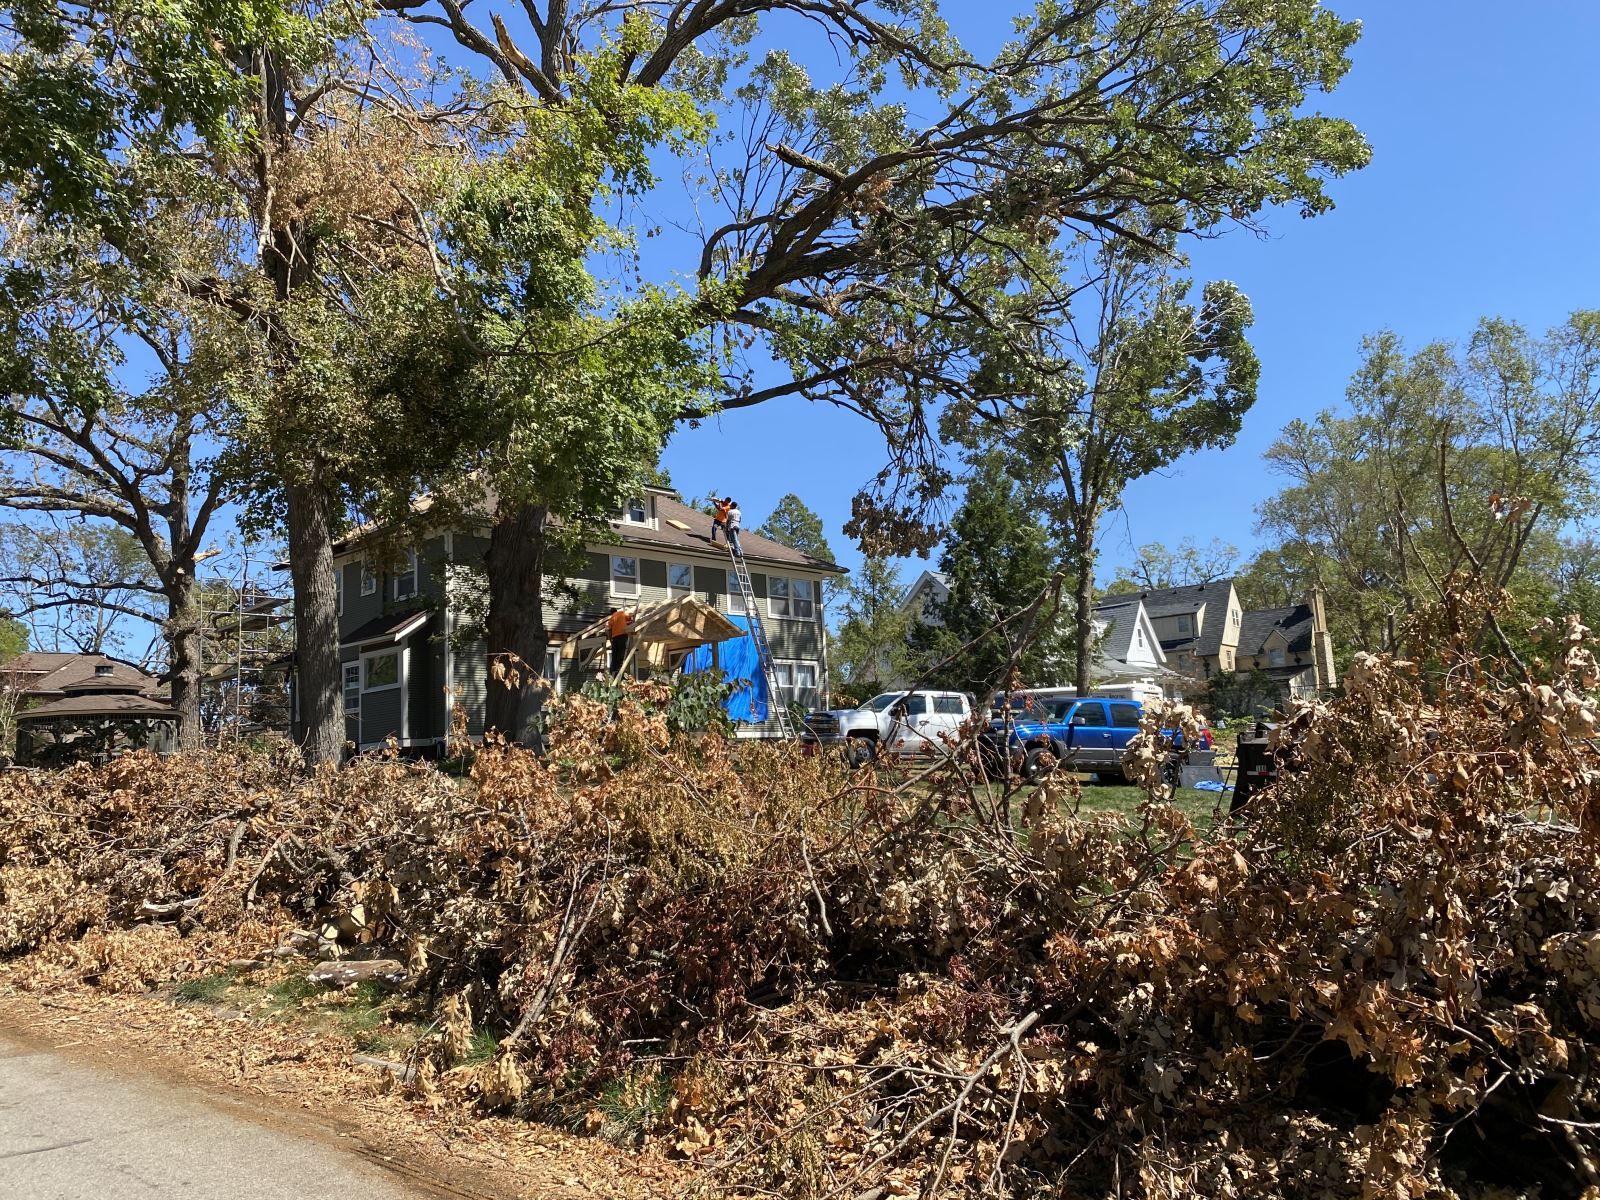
(71, 1131)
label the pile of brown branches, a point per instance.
(1384, 979)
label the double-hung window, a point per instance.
(1275, 657)
(624, 575)
(405, 583)
(369, 579)
(735, 596)
(636, 511)
(352, 689)
(795, 677)
(802, 599)
(680, 580)
(791, 598)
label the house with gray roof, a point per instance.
(1290, 646)
(409, 623)
(1205, 631)
(1127, 649)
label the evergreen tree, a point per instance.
(870, 649)
(999, 559)
(793, 524)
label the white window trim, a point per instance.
(369, 579)
(414, 570)
(791, 615)
(672, 590)
(400, 669)
(733, 595)
(792, 664)
(638, 570)
(344, 686)
(627, 511)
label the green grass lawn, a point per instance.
(1124, 798)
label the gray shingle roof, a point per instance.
(697, 536)
(1256, 625)
(1121, 618)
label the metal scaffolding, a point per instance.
(248, 636)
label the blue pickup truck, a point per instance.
(1092, 734)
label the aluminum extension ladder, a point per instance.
(775, 705)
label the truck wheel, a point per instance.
(1040, 761)
(859, 751)
(1169, 773)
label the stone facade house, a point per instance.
(407, 627)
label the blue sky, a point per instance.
(1480, 200)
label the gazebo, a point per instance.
(97, 719)
(661, 635)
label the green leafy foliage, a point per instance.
(1444, 455)
(998, 560)
(870, 648)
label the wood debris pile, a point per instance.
(1385, 980)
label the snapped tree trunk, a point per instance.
(316, 621)
(515, 636)
(1083, 604)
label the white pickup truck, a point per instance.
(893, 723)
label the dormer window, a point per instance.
(636, 511)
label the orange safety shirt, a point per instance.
(619, 623)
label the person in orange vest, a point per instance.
(618, 626)
(719, 517)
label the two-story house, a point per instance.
(1205, 631)
(406, 629)
(1198, 625)
(1290, 645)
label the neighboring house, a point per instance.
(402, 625)
(1205, 631)
(65, 707)
(1291, 645)
(39, 676)
(1198, 626)
(923, 598)
(1127, 648)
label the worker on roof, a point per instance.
(730, 525)
(618, 626)
(719, 516)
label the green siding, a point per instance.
(586, 597)
(380, 715)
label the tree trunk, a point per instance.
(515, 635)
(184, 650)
(316, 621)
(1083, 556)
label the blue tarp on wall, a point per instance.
(739, 664)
